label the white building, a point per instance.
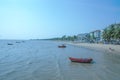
(95, 36)
(83, 37)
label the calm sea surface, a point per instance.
(43, 60)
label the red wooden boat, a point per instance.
(62, 46)
(81, 60)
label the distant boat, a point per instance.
(62, 46)
(81, 60)
(23, 41)
(10, 44)
(17, 42)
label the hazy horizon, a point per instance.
(41, 19)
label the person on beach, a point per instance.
(111, 49)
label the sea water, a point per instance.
(43, 60)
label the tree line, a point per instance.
(112, 33)
(66, 38)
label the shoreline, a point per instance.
(106, 48)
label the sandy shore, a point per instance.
(108, 48)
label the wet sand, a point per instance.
(108, 48)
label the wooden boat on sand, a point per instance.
(81, 60)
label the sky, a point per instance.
(40, 19)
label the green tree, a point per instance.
(75, 37)
(111, 31)
(63, 37)
(106, 35)
(117, 33)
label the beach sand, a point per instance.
(107, 48)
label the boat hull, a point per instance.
(62, 46)
(81, 60)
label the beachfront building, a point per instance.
(101, 37)
(95, 36)
(83, 37)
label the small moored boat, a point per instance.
(62, 46)
(9, 44)
(81, 60)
